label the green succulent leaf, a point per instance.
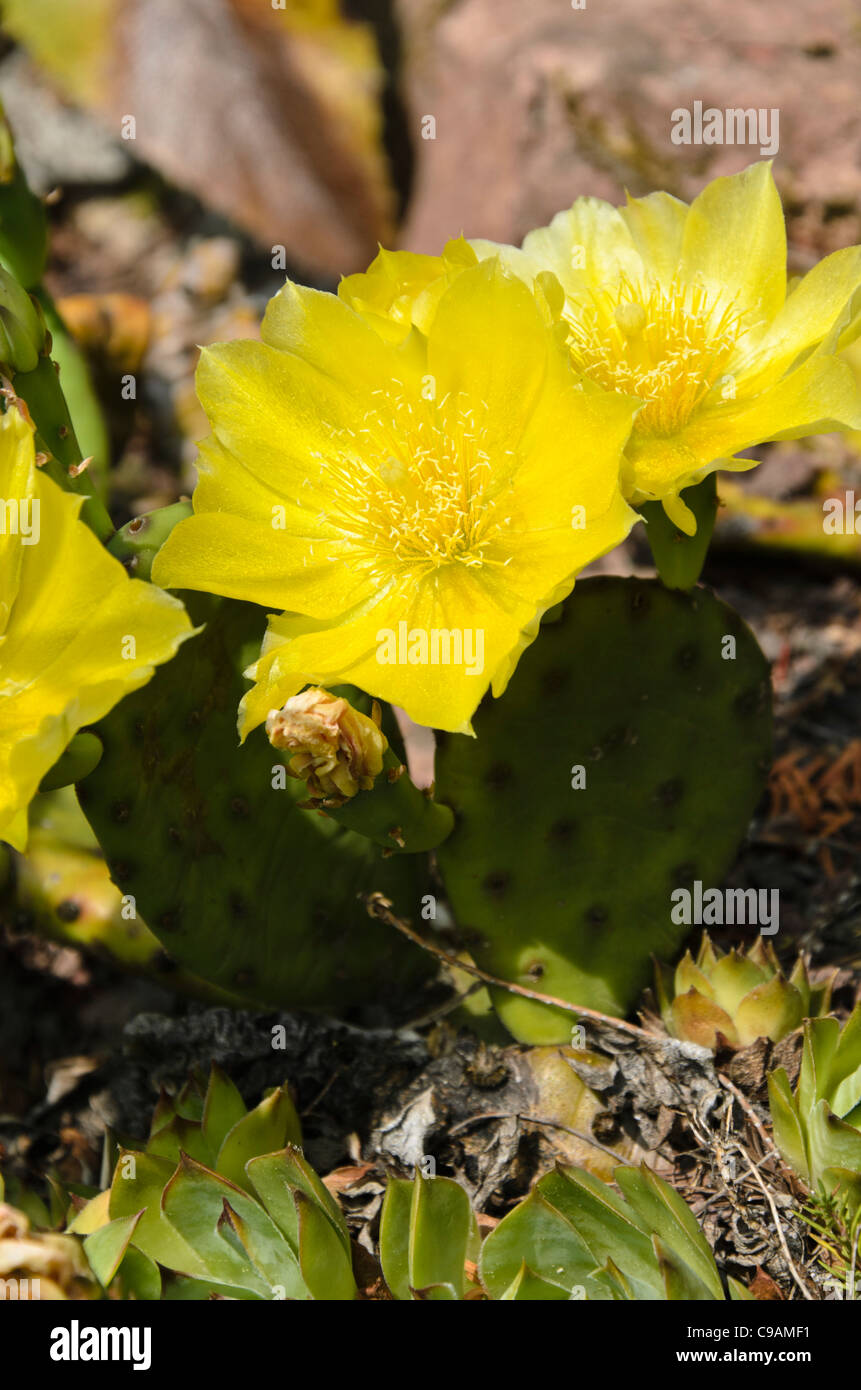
(528, 1287)
(223, 1108)
(138, 1183)
(786, 1123)
(603, 1221)
(106, 1247)
(326, 1268)
(265, 1248)
(267, 1128)
(663, 1211)
(139, 1277)
(680, 1282)
(821, 1036)
(195, 1201)
(539, 1235)
(771, 1010)
(395, 1237)
(441, 1225)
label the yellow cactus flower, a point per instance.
(686, 308)
(401, 289)
(76, 633)
(415, 506)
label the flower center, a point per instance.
(668, 345)
(416, 486)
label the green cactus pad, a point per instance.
(240, 886)
(567, 891)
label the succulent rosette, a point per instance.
(733, 998)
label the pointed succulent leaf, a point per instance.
(441, 1223)
(90, 1217)
(846, 1062)
(690, 976)
(193, 1201)
(106, 1247)
(663, 1211)
(832, 1142)
(801, 980)
(680, 1282)
(603, 1221)
(534, 1232)
(820, 996)
(762, 953)
(303, 1176)
(326, 1268)
(732, 978)
(528, 1287)
(771, 1010)
(699, 1020)
(266, 1249)
(222, 1109)
(139, 1277)
(821, 1036)
(276, 1175)
(190, 1098)
(786, 1123)
(138, 1183)
(163, 1113)
(180, 1136)
(706, 955)
(265, 1129)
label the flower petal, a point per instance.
(735, 238)
(82, 634)
(590, 244)
(825, 306)
(657, 226)
(228, 554)
(819, 396)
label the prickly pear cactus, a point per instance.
(61, 888)
(624, 762)
(241, 887)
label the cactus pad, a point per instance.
(241, 886)
(567, 891)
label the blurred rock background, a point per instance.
(197, 152)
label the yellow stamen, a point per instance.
(416, 487)
(667, 344)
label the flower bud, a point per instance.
(336, 750)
